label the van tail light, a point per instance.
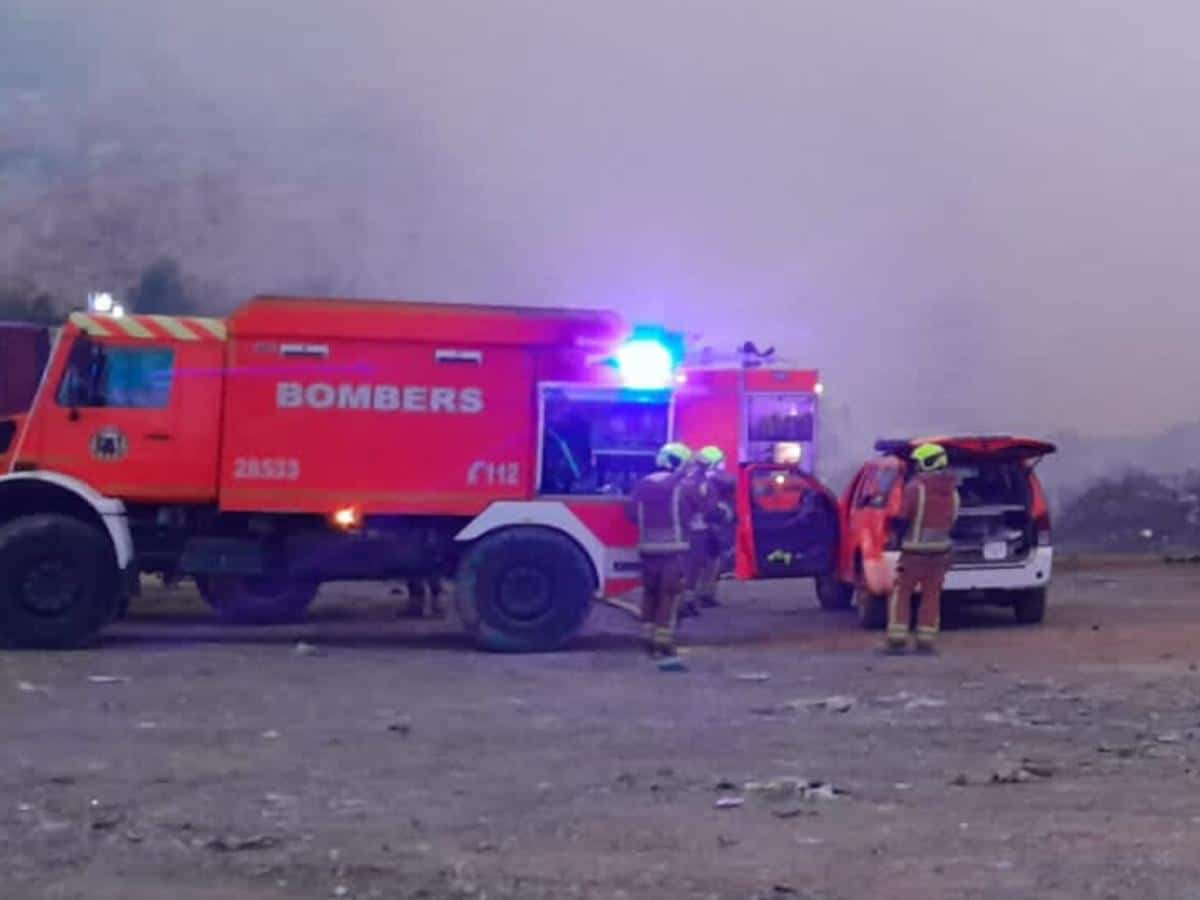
(1041, 525)
(1040, 510)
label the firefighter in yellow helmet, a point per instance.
(662, 505)
(929, 511)
(708, 533)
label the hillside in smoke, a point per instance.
(88, 200)
(105, 167)
(1083, 460)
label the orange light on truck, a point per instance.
(347, 518)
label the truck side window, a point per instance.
(599, 442)
(773, 419)
(117, 377)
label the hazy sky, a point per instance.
(985, 207)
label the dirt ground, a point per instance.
(384, 758)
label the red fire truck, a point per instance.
(302, 441)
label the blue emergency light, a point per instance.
(649, 358)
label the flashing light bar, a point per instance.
(650, 357)
(645, 364)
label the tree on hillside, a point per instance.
(1136, 511)
(160, 290)
(23, 302)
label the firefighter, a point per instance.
(424, 598)
(662, 505)
(929, 511)
(697, 528)
(709, 531)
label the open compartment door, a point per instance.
(787, 523)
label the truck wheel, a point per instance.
(833, 594)
(872, 610)
(257, 600)
(60, 582)
(524, 590)
(1030, 606)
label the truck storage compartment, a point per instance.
(598, 441)
(994, 525)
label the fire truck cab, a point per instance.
(763, 414)
(303, 440)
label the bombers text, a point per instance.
(379, 397)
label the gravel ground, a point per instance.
(364, 756)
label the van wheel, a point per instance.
(1030, 606)
(833, 594)
(524, 590)
(257, 600)
(60, 584)
(872, 610)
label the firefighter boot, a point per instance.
(437, 599)
(648, 631)
(663, 644)
(896, 642)
(665, 655)
(927, 641)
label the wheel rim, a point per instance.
(49, 588)
(524, 594)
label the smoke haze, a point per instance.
(974, 216)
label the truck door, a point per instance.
(135, 417)
(787, 523)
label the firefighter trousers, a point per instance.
(662, 588)
(703, 566)
(924, 572)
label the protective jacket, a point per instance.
(663, 504)
(930, 508)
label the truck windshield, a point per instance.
(599, 441)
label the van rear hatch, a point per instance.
(996, 525)
(1000, 448)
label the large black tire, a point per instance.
(259, 600)
(59, 583)
(832, 594)
(1030, 606)
(524, 590)
(872, 610)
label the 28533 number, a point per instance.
(266, 469)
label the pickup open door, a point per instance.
(787, 523)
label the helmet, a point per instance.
(710, 457)
(930, 457)
(672, 456)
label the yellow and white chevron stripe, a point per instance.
(156, 328)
